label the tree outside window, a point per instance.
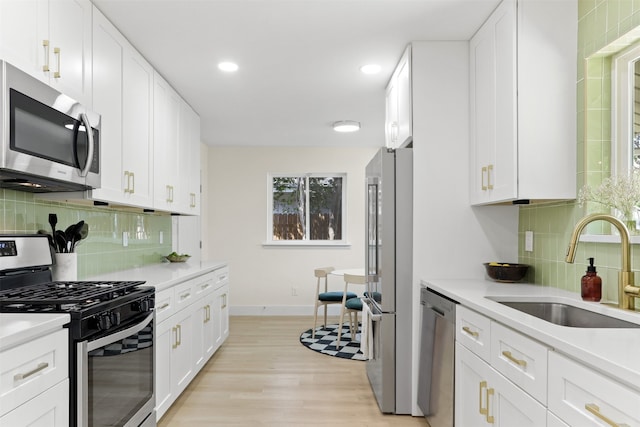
(307, 207)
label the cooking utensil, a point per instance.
(72, 232)
(53, 220)
(61, 241)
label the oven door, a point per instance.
(116, 378)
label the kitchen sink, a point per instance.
(568, 315)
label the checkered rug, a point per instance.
(325, 342)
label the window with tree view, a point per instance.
(307, 207)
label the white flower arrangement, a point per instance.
(619, 192)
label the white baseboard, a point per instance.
(282, 310)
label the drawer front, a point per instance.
(185, 294)
(582, 397)
(50, 409)
(165, 304)
(521, 359)
(222, 277)
(473, 330)
(29, 369)
(204, 285)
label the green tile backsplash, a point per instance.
(604, 27)
(102, 250)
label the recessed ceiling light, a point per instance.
(228, 66)
(370, 69)
(346, 126)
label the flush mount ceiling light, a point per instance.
(370, 69)
(228, 67)
(346, 126)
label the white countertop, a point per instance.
(18, 328)
(615, 352)
(163, 275)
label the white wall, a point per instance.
(262, 277)
(451, 239)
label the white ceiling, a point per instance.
(299, 60)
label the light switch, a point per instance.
(528, 241)
(125, 239)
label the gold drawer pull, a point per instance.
(483, 411)
(185, 296)
(519, 362)
(163, 306)
(482, 174)
(41, 366)
(489, 171)
(470, 332)
(490, 418)
(595, 410)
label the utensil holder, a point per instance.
(66, 267)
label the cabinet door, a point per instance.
(165, 339)
(391, 114)
(70, 48)
(484, 396)
(493, 139)
(182, 369)
(166, 148)
(137, 127)
(48, 409)
(471, 385)
(24, 30)
(189, 161)
(108, 52)
(403, 82)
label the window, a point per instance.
(306, 208)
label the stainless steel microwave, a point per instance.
(50, 142)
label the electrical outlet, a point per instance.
(528, 241)
(161, 237)
(125, 239)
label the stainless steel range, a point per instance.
(111, 333)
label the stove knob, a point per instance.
(143, 305)
(104, 321)
(115, 318)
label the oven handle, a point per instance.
(109, 339)
(89, 130)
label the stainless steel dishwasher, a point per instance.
(437, 358)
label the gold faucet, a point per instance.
(627, 291)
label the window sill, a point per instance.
(307, 243)
(607, 238)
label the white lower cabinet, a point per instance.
(48, 409)
(187, 333)
(34, 382)
(581, 396)
(485, 397)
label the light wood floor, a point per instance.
(263, 376)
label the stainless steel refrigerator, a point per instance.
(389, 267)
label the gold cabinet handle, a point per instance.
(482, 174)
(133, 182)
(224, 298)
(489, 170)
(483, 411)
(470, 332)
(163, 306)
(490, 418)
(518, 362)
(45, 67)
(56, 51)
(168, 188)
(185, 296)
(41, 366)
(595, 410)
(127, 177)
(174, 330)
(179, 335)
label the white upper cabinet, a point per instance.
(523, 103)
(123, 95)
(166, 141)
(189, 160)
(398, 117)
(50, 40)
